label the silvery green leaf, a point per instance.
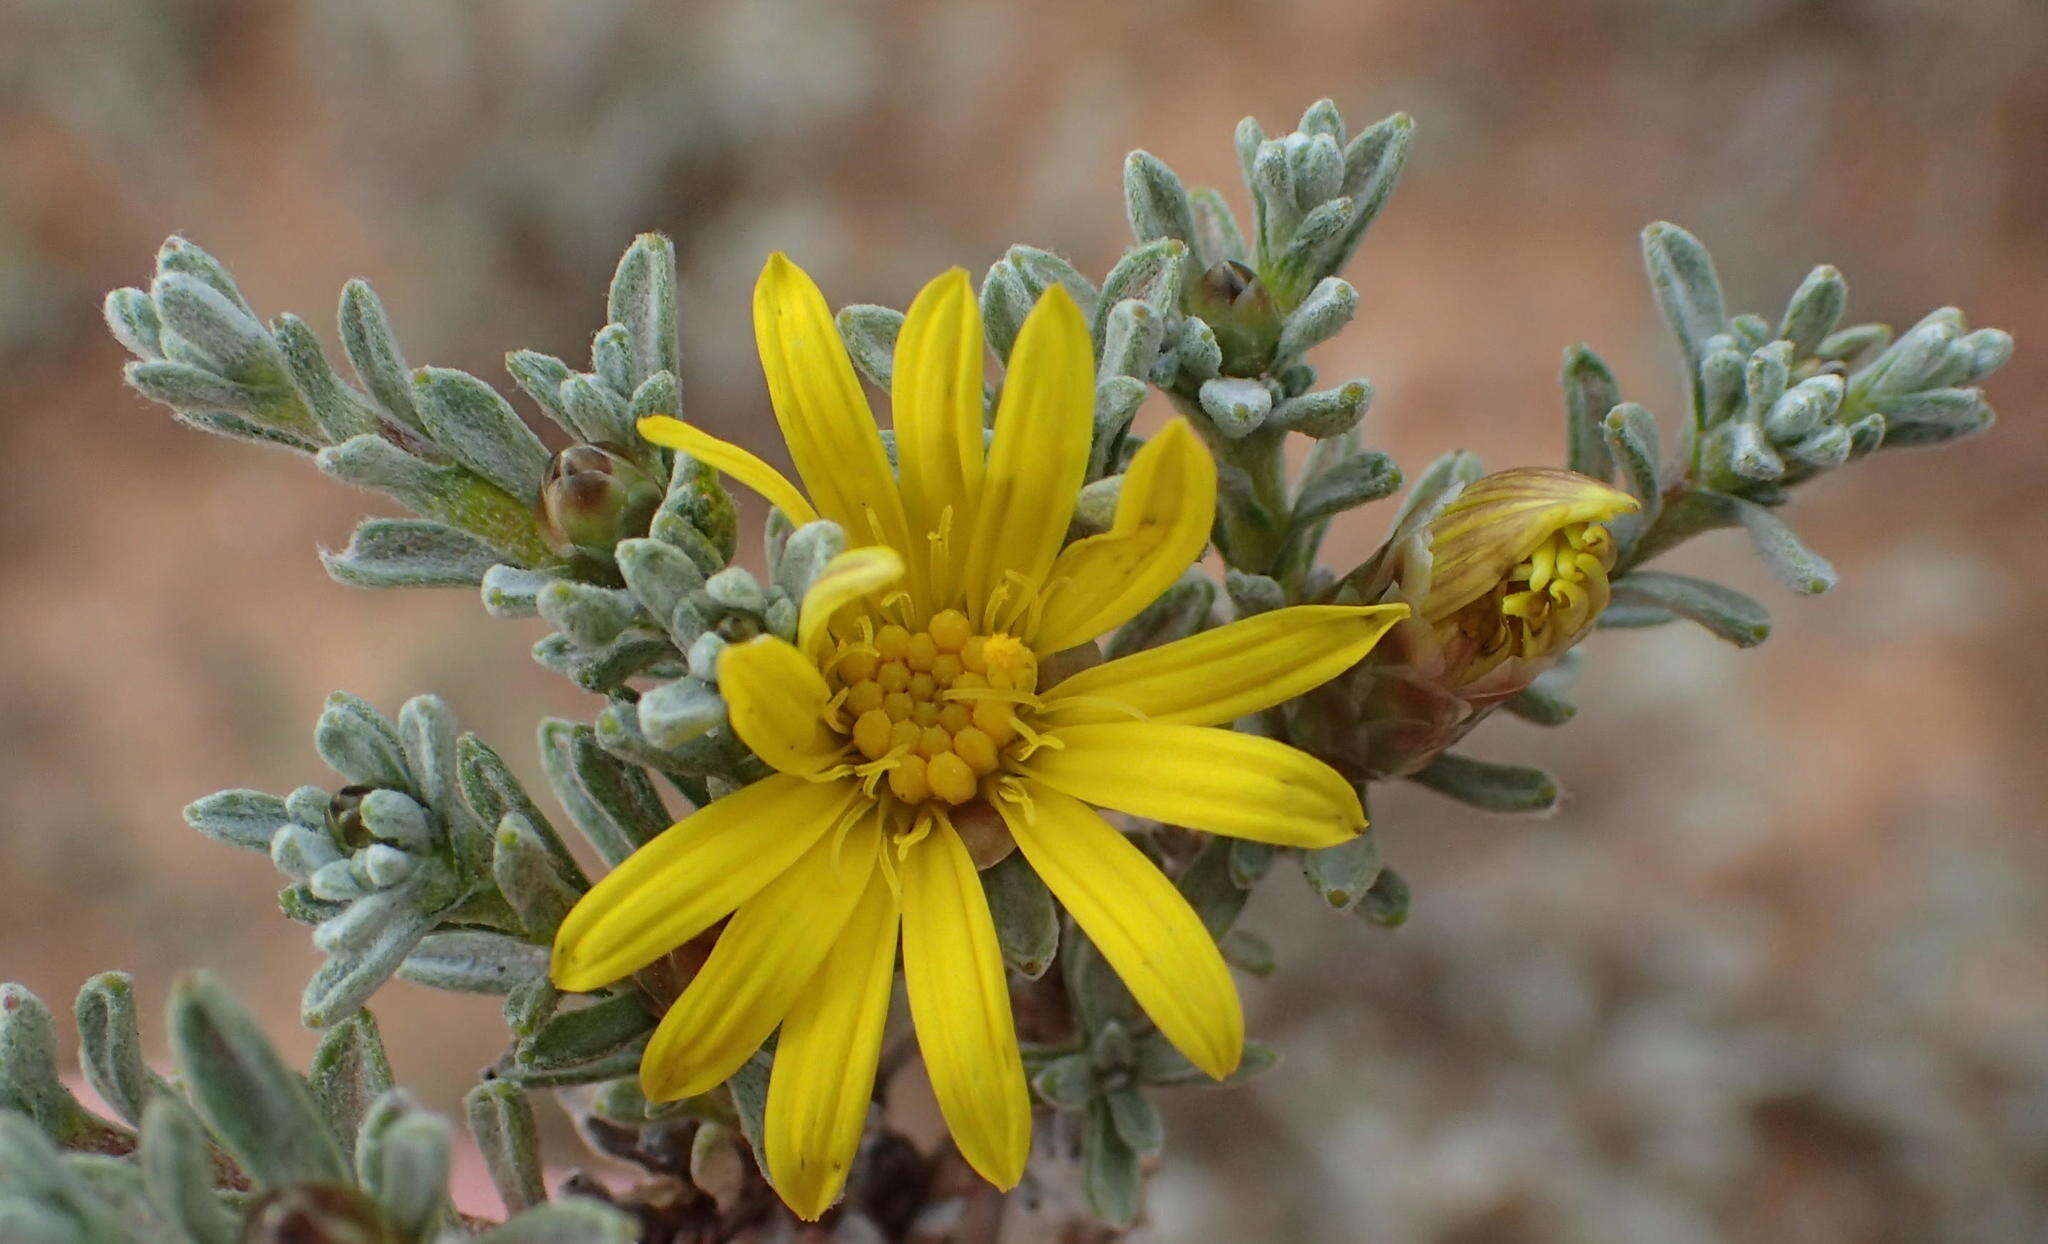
(1196, 352)
(1318, 169)
(1797, 566)
(1027, 923)
(260, 1109)
(1916, 360)
(659, 394)
(1816, 307)
(611, 364)
(1117, 400)
(1631, 433)
(339, 410)
(1769, 371)
(584, 1035)
(480, 430)
(473, 961)
(1982, 352)
(450, 493)
(132, 318)
(679, 712)
(660, 575)
(1249, 138)
(1131, 339)
(512, 592)
(1004, 304)
(383, 865)
(224, 333)
(643, 303)
(1209, 883)
(395, 817)
(1322, 117)
(1312, 250)
(1682, 274)
(410, 552)
(1180, 611)
(578, 1218)
(529, 1005)
(1372, 164)
(1542, 705)
(596, 412)
(1150, 272)
(541, 377)
(603, 670)
(222, 423)
(351, 1070)
(1275, 210)
(1624, 615)
(1935, 416)
(110, 1048)
(1343, 873)
(1722, 610)
(531, 879)
(809, 550)
(749, 1089)
(1589, 393)
(1347, 484)
(1453, 470)
(1248, 862)
(1804, 408)
(1253, 593)
(1866, 434)
(1111, 1173)
(1040, 270)
(1137, 1123)
(362, 955)
(870, 334)
(736, 588)
(28, 1069)
(501, 1121)
(1155, 202)
(592, 616)
(402, 1158)
(1217, 237)
(356, 742)
(611, 801)
(1751, 331)
(372, 349)
(1750, 454)
(186, 386)
(239, 818)
(337, 882)
(1386, 904)
(1824, 450)
(1723, 385)
(181, 256)
(176, 1157)
(1248, 952)
(1238, 406)
(1846, 345)
(426, 730)
(1067, 1082)
(1321, 315)
(1488, 786)
(1328, 413)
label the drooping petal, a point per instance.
(1140, 923)
(1162, 521)
(691, 875)
(935, 403)
(853, 574)
(764, 960)
(1203, 778)
(825, 1062)
(1220, 675)
(960, 1004)
(824, 416)
(730, 459)
(775, 698)
(1044, 422)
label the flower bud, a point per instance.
(1239, 309)
(1501, 581)
(593, 496)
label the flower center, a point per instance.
(936, 710)
(1547, 601)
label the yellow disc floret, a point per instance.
(934, 711)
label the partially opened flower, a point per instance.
(1502, 580)
(913, 692)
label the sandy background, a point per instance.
(1778, 969)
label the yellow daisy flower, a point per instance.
(913, 691)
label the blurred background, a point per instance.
(1778, 970)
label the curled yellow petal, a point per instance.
(775, 699)
(691, 875)
(1220, 675)
(824, 416)
(730, 459)
(1204, 778)
(851, 576)
(1162, 522)
(763, 961)
(1044, 422)
(1140, 923)
(935, 403)
(1500, 520)
(825, 1061)
(960, 1004)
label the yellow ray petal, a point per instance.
(853, 574)
(1139, 922)
(1204, 778)
(776, 698)
(762, 963)
(824, 416)
(960, 1003)
(1162, 522)
(730, 459)
(825, 1062)
(1223, 674)
(936, 405)
(1044, 422)
(693, 874)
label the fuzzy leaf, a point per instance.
(1488, 786)
(260, 1109)
(410, 552)
(1722, 610)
